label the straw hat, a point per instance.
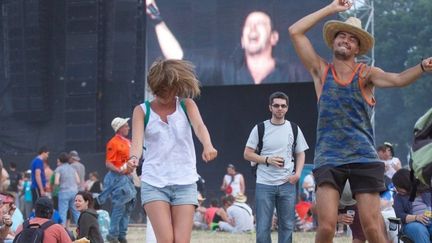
(353, 26)
(347, 197)
(241, 198)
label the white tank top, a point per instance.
(235, 184)
(169, 157)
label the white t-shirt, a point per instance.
(241, 213)
(277, 141)
(389, 165)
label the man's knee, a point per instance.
(326, 228)
(372, 231)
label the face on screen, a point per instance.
(257, 33)
(220, 37)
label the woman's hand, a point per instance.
(209, 153)
(421, 218)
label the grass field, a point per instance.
(136, 234)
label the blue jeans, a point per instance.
(66, 201)
(122, 192)
(418, 232)
(266, 199)
(120, 219)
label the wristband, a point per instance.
(156, 17)
(421, 65)
(266, 161)
(415, 218)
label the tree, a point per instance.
(403, 35)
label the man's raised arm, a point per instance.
(382, 79)
(168, 43)
(312, 61)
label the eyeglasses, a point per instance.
(283, 106)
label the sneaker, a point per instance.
(112, 239)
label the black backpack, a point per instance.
(261, 130)
(32, 233)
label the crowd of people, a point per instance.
(59, 197)
(351, 184)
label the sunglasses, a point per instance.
(279, 106)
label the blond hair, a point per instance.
(172, 75)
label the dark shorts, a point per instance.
(363, 177)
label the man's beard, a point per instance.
(342, 55)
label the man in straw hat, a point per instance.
(345, 135)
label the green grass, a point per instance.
(137, 234)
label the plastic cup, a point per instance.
(350, 213)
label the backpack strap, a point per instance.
(147, 113)
(245, 209)
(183, 106)
(26, 224)
(414, 183)
(294, 128)
(46, 225)
(261, 129)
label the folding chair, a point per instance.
(396, 224)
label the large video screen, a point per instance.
(239, 42)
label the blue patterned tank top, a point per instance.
(345, 129)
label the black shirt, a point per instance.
(214, 71)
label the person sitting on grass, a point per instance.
(88, 225)
(240, 217)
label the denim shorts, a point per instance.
(174, 195)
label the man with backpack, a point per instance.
(277, 146)
(41, 228)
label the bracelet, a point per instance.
(156, 17)
(422, 67)
(266, 161)
(415, 218)
(133, 157)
